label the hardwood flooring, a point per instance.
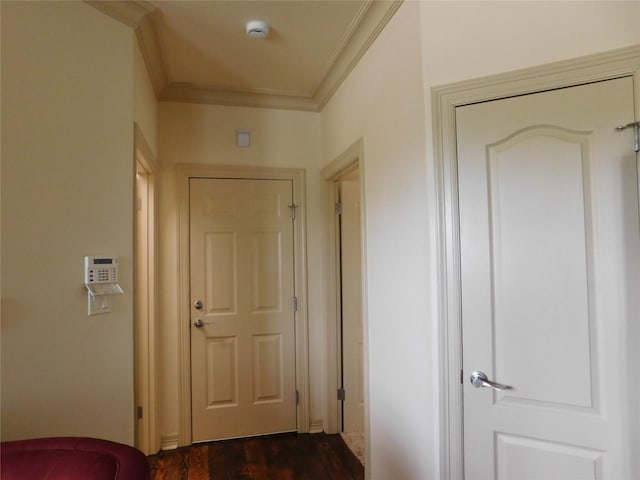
(287, 456)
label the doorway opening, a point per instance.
(347, 333)
(145, 285)
(350, 303)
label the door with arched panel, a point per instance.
(550, 275)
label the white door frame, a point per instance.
(445, 99)
(349, 160)
(184, 173)
(146, 332)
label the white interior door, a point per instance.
(243, 334)
(550, 269)
(351, 287)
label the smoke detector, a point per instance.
(257, 29)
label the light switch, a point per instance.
(244, 138)
(99, 304)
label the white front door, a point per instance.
(242, 317)
(550, 269)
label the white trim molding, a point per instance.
(131, 13)
(169, 441)
(184, 172)
(343, 165)
(146, 337)
(316, 426)
(445, 100)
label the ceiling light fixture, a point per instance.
(257, 29)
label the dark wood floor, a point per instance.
(282, 457)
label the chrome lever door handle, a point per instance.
(199, 323)
(480, 379)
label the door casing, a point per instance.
(146, 331)
(445, 99)
(347, 161)
(184, 172)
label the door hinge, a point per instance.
(636, 133)
(139, 412)
(297, 397)
(461, 377)
(295, 304)
(339, 208)
(293, 207)
(341, 394)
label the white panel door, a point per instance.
(352, 337)
(550, 269)
(242, 334)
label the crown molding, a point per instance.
(128, 12)
(374, 19)
(190, 93)
(143, 18)
(151, 49)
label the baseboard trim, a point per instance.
(169, 441)
(317, 426)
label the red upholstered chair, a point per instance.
(71, 458)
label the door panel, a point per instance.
(221, 371)
(267, 368)
(220, 271)
(525, 458)
(243, 352)
(525, 237)
(550, 251)
(267, 248)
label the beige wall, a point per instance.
(206, 134)
(382, 101)
(468, 39)
(67, 181)
(386, 100)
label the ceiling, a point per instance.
(198, 51)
